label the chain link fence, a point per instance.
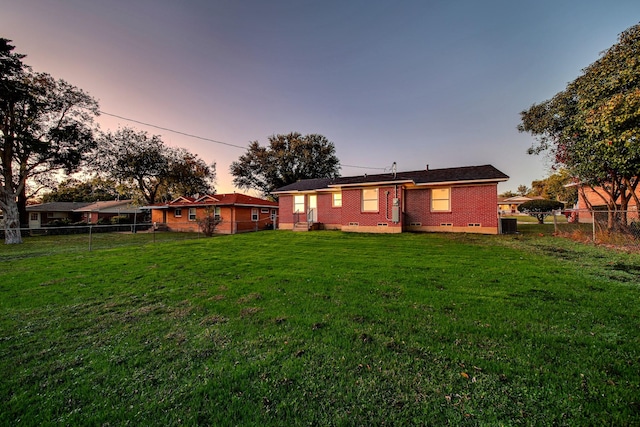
(93, 236)
(615, 228)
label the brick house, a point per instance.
(462, 199)
(105, 210)
(590, 198)
(42, 214)
(235, 213)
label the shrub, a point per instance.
(540, 208)
(120, 219)
(59, 223)
(209, 223)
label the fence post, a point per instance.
(593, 226)
(90, 237)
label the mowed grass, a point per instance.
(323, 328)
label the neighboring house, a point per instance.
(510, 205)
(92, 213)
(592, 199)
(462, 199)
(235, 213)
(44, 213)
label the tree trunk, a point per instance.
(12, 224)
(23, 215)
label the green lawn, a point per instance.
(323, 328)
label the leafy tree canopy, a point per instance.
(507, 194)
(46, 126)
(287, 159)
(592, 128)
(540, 208)
(157, 172)
(554, 187)
(90, 190)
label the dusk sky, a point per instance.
(415, 82)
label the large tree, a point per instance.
(287, 159)
(592, 128)
(157, 171)
(46, 126)
(556, 186)
(88, 190)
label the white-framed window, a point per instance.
(264, 210)
(34, 216)
(254, 214)
(336, 201)
(441, 199)
(177, 213)
(216, 213)
(370, 200)
(192, 214)
(298, 203)
(274, 214)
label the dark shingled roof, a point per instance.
(56, 206)
(432, 176)
(307, 184)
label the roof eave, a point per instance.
(471, 181)
(376, 183)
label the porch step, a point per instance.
(306, 226)
(301, 226)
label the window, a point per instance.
(264, 210)
(49, 214)
(337, 200)
(177, 213)
(370, 200)
(254, 214)
(441, 199)
(298, 203)
(192, 214)
(274, 214)
(34, 216)
(216, 213)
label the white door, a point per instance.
(34, 220)
(312, 213)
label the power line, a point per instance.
(208, 139)
(174, 131)
(362, 167)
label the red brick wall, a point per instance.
(243, 221)
(234, 219)
(285, 202)
(476, 204)
(352, 208)
(327, 214)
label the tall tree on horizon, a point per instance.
(287, 159)
(46, 126)
(158, 172)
